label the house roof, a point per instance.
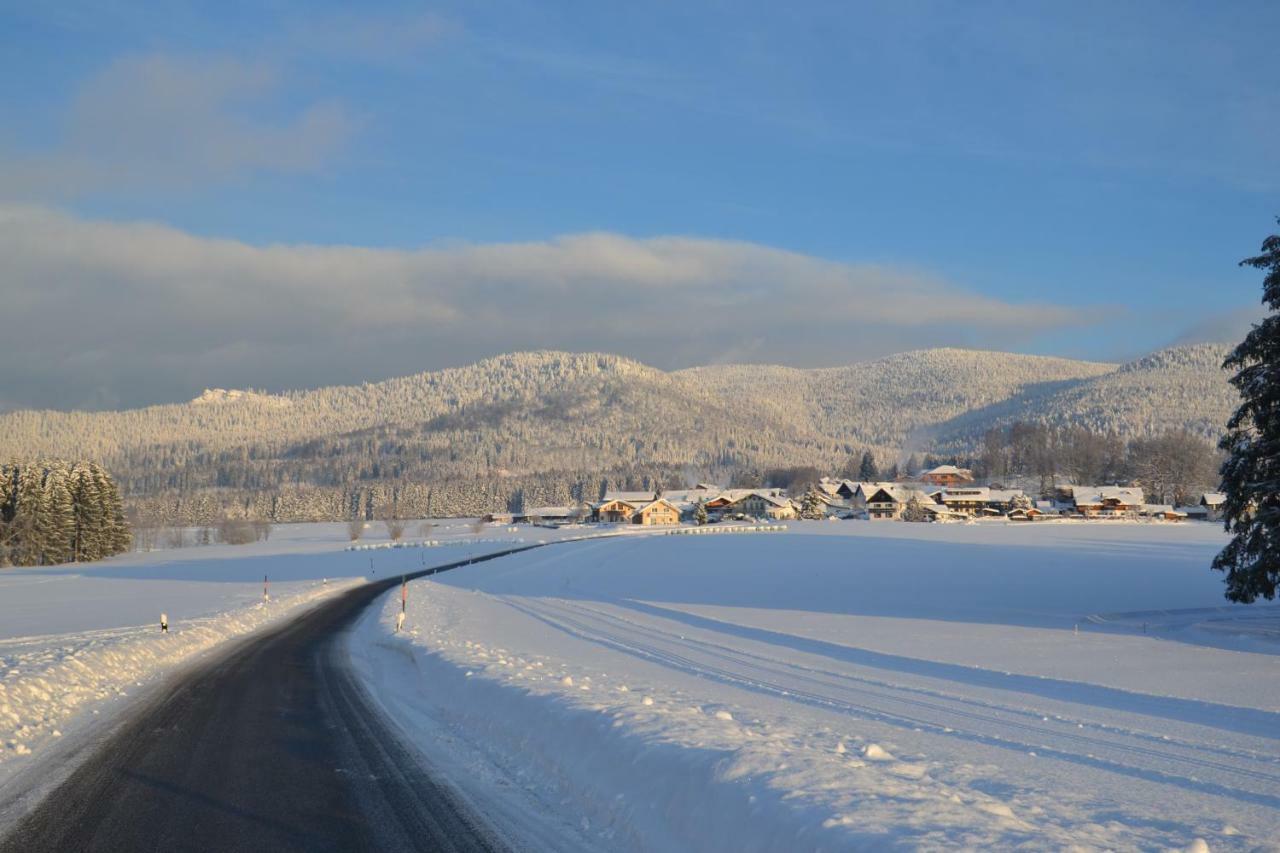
(1161, 509)
(1096, 495)
(548, 511)
(901, 494)
(651, 504)
(1213, 499)
(942, 470)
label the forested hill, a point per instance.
(530, 413)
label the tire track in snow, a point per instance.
(882, 702)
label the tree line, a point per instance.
(1172, 467)
(56, 511)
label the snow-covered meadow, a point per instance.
(849, 684)
(79, 642)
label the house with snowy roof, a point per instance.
(1162, 512)
(658, 511)
(947, 475)
(1107, 501)
(761, 503)
(1213, 503)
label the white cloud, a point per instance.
(163, 121)
(167, 313)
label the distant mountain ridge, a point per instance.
(526, 413)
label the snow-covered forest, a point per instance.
(53, 511)
(549, 427)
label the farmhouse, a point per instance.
(947, 475)
(616, 510)
(660, 511)
(771, 503)
(1106, 501)
(969, 501)
(888, 500)
(1212, 503)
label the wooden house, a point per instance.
(947, 475)
(614, 511)
(660, 511)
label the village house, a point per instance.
(762, 503)
(947, 475)
(888, 500)
(978, 500)
(660, 511)
(1213, 503)
(1106, 501)
(616, 510)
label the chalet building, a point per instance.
(660, 511)
(1106, 501)
(888, 500)
(613, 511)
(860, 493)
(770, 503)
(977, 500)
(1213, 503)
(947, 475)
(969, 501)
(620, 506)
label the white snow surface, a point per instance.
(846, 686)
(80, 642)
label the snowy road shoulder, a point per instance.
(67, 686)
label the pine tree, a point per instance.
(867, 470)
(1251, 474)
(58, 525)
(915, 511)
(700, 512)
(89, 542)
(812, 507)
(116, 536)
(29, 516)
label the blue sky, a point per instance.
(1108, 162)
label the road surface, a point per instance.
(272, 746)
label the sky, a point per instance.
(285, 195)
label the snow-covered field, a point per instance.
(849, 685)
(79, 642)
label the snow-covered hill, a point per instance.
(527, 414)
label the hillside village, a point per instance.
(940, 494)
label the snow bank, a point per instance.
(46, 681)
(841, 687)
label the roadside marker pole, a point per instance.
(404, 599)
(266, 590)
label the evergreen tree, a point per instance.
(28, 523)
(915, 511)
(89, 542)
(1251, 474)
(867, 470)
(700, 512)
(57, 528)
(812, 507)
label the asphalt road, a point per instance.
(272, 746)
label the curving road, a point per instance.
(272, 746)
